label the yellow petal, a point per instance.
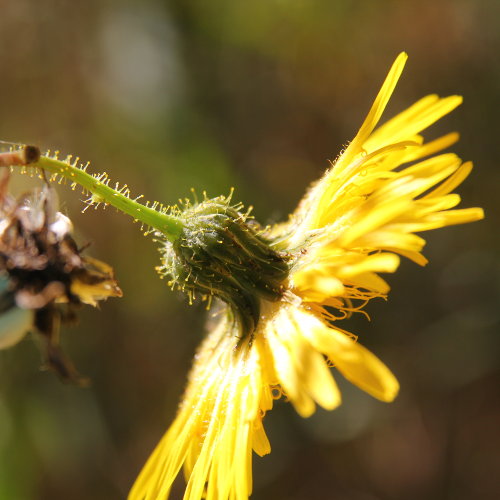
(382, 262)
(418, 117)
(354, 361)
(434, 146)
(371, 281)
(319, 382)
(453, 181)
(212, 435)
(363, 368)
(380, 103)
(261, 444)
(301, 370)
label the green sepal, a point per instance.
(222, 253)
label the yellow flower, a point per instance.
(351, 225)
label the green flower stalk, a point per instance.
(98, 186)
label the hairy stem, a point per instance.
(169, 225)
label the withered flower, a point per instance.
(44, 279)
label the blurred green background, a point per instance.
(259, 94)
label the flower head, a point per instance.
(282, 290)
(44, 278)
(276, 332)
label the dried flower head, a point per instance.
(44, 279)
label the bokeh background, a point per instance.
(169, 95)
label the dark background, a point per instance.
(256, 94)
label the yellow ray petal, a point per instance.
(453, 181)
(212, 435)
(301, 370)
(363, 368)
(434, 146)
(378, 106)
(414, 120)
(354, 361)
(382, 262)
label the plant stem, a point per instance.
(169, 225)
